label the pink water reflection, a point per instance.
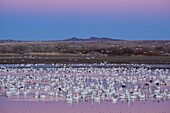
(9, 106)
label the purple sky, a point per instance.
(125, 19)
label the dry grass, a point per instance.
(103, 43)
(51, 54)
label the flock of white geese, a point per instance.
(85, 83)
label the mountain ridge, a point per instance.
(92, 39)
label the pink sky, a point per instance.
(88, 7)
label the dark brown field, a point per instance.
(48, 59)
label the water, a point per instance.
(8, 106)
(110, 76)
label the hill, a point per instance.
(92, 39)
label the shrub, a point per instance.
(21, 49)
(116, 51)
(147, 52)
(128, 50)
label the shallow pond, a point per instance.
(84, 88)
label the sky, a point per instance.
(63, 19)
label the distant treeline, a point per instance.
(92, 49)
